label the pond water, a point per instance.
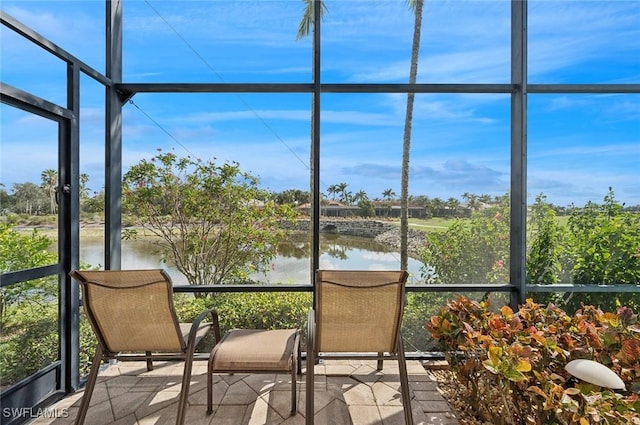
(290, 266)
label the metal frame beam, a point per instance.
(518, 205)
(113, 137)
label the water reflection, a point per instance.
(290, 266)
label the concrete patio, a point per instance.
(346, 392)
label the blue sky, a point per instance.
(578, 144)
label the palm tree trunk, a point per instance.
(406, 142)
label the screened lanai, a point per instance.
(457, 131)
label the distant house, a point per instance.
(334, 208)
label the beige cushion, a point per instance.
(255, 350)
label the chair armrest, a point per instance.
(195, 325)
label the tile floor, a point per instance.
(346, 392)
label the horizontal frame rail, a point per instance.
(133, 88)
(12, 278)
(309, 288)
(40, 41)
(569, 287)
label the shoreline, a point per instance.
(92, 230)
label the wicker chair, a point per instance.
(132, 315)
(357, 315)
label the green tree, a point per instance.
(292, 197)
(213, 221)
(29, 198)
(94, 204)
(6, 201)
(367, 208)
(20, 252)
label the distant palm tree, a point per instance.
(49, 179)
(346, 197)
(485, 198)
(360, 195)
(84, 190)
(388, 194)
(472, 201)
(453, 204)
(344, 194)
(437, 204)
(333, 191)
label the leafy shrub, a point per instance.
(420, 305)
(511, 365)
(250, 310)
(29, 346)
(474, 250)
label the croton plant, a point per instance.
(510, 365)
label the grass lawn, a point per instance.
(437, 224)
(440, 224)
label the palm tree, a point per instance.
(49, 179)
(333, 190)
(304, 28)
(388, 194)
(437, 204)
(416, 6)
(344, 194)
(360, 195)
(453, 204)
(84, 190)
(306, 23)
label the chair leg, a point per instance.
(88, 389)
(210, 386)
(380, 361)
(149, 361)
(404, 384)
(296, 369)
(311, 361)
(184, 391)
(294, 386)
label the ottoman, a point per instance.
(256, 351)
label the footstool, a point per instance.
(256, 351)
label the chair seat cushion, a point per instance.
(255, 350)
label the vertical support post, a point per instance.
(315, 215)
(518, 206)
(69, 234)
(113, 137)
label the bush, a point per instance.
(249, 310)
(511, 365)
(39, 335)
